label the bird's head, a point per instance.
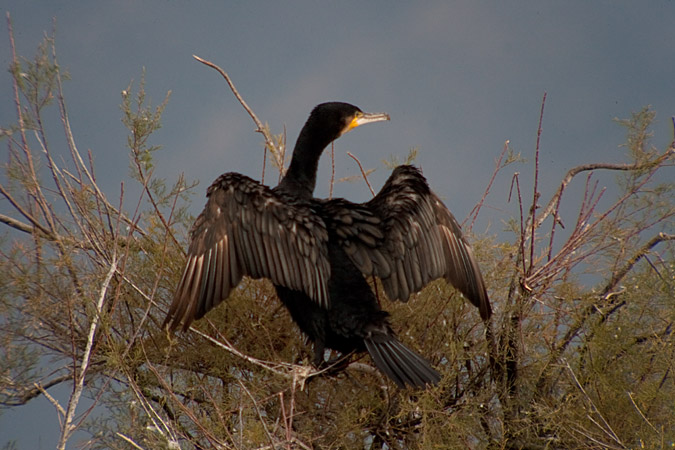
(337, 118)
(327, 122)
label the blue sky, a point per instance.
(458, 78)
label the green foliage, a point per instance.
(567, 363)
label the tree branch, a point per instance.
(67, 427)
(550, 207)
(269, 141)
(606, 294)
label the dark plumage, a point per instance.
(316, 252)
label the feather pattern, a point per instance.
(249, 229)
(407, 237)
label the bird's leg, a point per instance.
(319, 349)
(333, 365)
(339, 363)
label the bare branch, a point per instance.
(498, 166)
(535, 189)
(550, 207)
(28, 215)
(129, 440)
(269, 141)
(363, 173)
(28, 394)
(618, 275)
(67, 427)
(16, 224)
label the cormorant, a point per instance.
(317, 251)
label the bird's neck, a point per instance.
(300, 177)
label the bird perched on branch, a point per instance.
(316, 252)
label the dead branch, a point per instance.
(363, 173)
(550, 207)
(535, 190)
(28, 394)
(67, 427)
(498, 166)
(260, 128)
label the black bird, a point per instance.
(317, 252)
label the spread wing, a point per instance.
(248, 229)
(407, 237)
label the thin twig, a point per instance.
(515, 182)
(632, 400)
(51, 399)
(498, 166)
(135, 445)
(363, 172)
(260, 128)
(535, 189)
(332, 169)
(606, 428)
(257, 410)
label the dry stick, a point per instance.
(114, 260)
(588, 205)
(257, 410)
(556, 220)
(498, 166)
(630, 395)
(121, 272)
(57, 176)
(17, 224)
(284, 417)
(226, 345)
(618, 275)
(135, 445)
(515, 181)
(292, 371)
(264, 164)
(261, 129)
(577, 235)
(607, 429)
(332, 169)
(24, 142)
(38, 388)
(363, 172)
(282, 156)
(596, 166)
(67, 427)
(22, 129)
(535, 192)
(51, 399)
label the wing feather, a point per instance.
(407, 237)
(249, 229)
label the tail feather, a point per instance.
(384, 363)
(400, 363)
